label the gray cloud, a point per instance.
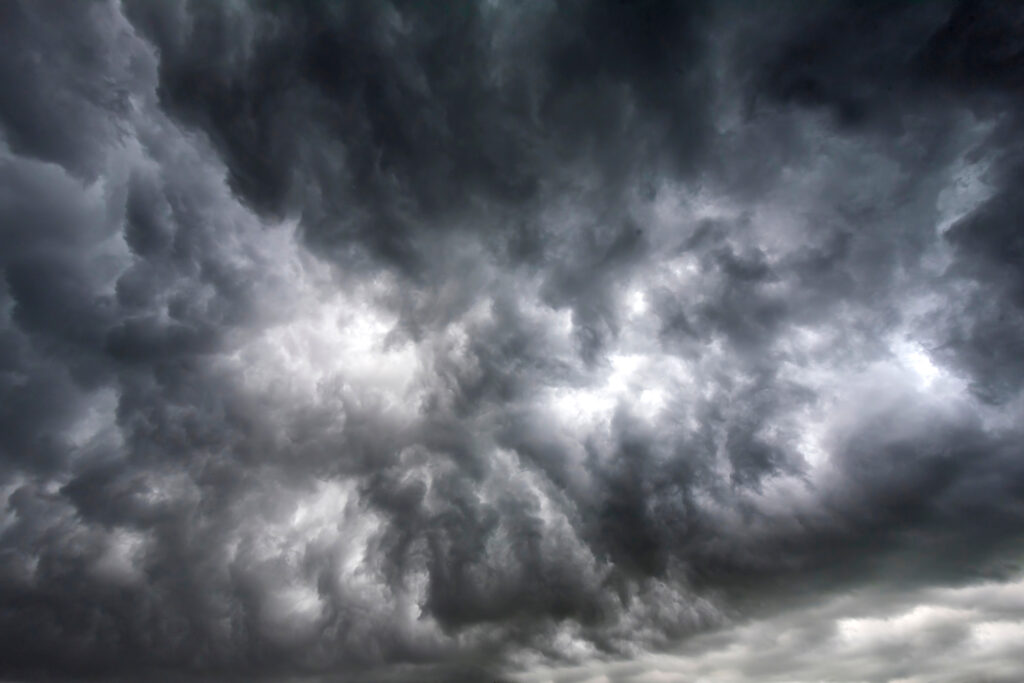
(935, 635)
(400, 341)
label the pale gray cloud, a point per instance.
(938, 634)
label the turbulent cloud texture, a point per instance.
(545, 341)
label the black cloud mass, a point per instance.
(511, 340)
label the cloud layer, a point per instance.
(543, 341)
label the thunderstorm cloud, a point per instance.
(511, 340)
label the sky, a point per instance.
(512, 341)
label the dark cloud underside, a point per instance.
(511, 340)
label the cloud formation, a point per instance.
(397, 341)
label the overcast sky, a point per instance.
(512, 340)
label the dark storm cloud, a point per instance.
(419, 341)
(312, 105)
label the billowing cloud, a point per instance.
(528, 341)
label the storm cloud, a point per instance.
(544, 341)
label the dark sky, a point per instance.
(511, 340)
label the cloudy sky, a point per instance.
(511, 340)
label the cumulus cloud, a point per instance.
(391, 341)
